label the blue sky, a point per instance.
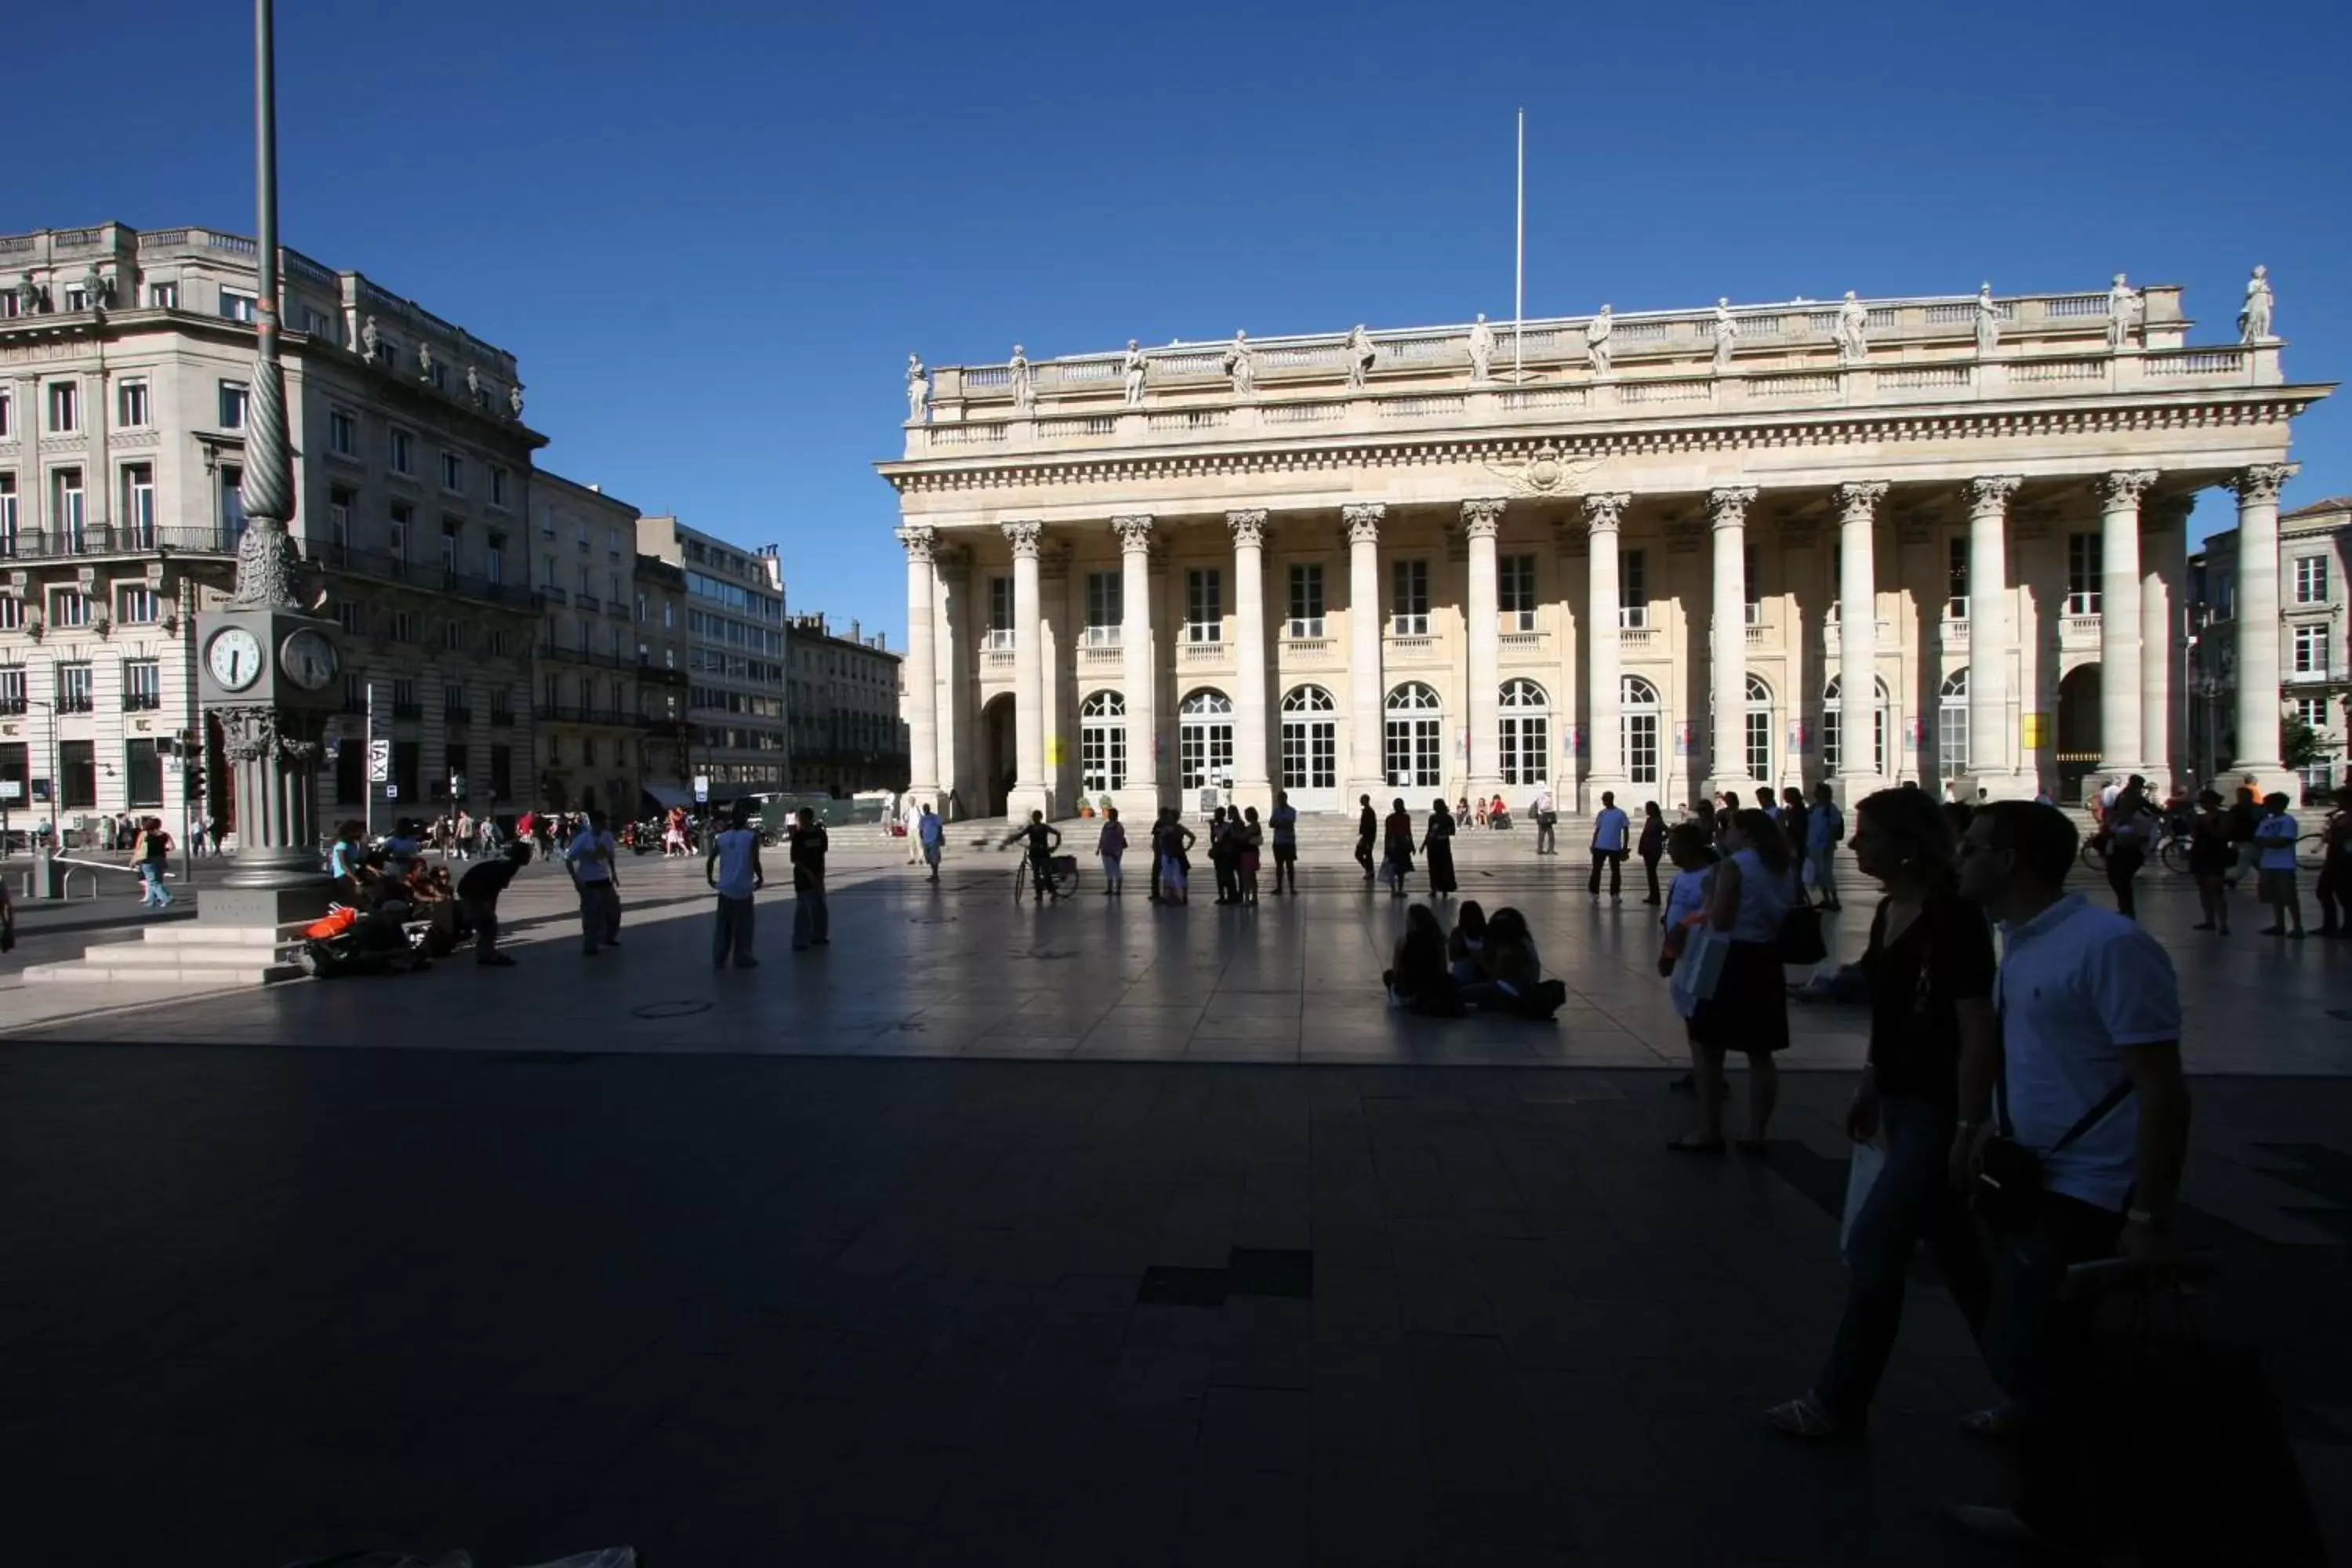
(712, 233)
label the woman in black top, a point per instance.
(1438, 844)
(1652, 845)
(1935, 1046)
(2211, 856)
(1396, 854)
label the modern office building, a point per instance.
(734, 655)
(662, 685)
(2315, 662)
(1859, 541)
(124, 364)
(843, 699)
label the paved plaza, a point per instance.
(1196, 1252)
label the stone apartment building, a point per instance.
(843, 699)
(734, 647)
(591, 729)
(2315, 664)
(124, 359)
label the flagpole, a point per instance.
(1519, 252)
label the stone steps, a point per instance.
(188, 954)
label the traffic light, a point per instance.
(195, 784)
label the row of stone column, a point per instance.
(2137, 667)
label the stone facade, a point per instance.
(735, 643)
(1472, 561)
(124, 360)
(843, 699)
(591, 721)
(2314, 666)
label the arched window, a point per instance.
(1102, 744)
(1832, 712)
(1640, 717)
(1525, 733)
(1310, 748)
(1204, 740)
(1758, 733)
(1952, 724)
(1413, 737)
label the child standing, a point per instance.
(1110, 846)
(2274, 867)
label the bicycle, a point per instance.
(1061, 877)
(2172, 854)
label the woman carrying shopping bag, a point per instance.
(1935, 1046)
(1748, 1007)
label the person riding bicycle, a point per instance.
(1044, 838)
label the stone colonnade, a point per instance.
(2138, 626)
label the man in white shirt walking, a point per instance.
(1608, 830)
(593, 859)
(2091, 1088)
(733, 871)
(1545, 821)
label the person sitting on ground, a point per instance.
(477, 899)
(1512, 972)
(1499, 815)
(1465, 950)
(1417, 980)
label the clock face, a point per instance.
(234, 656)
(310, 660)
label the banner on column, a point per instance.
(1799, 737)
(1685, 738)
(2032, 730)
(1914, 730)
(1573, 740)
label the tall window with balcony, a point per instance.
(404, 698)
(136, 604)
(1409, 599)
(1106, 609)
(65, 407)
(7, 515)
(139, 505)
(2311, 579)
(12, 686)
(1204, 605)
(7, 415)
(2085, 560)
(143, 685)
(1305, 600)
(132, 410)
(1633, 592)
(355, 692)
(2310, 653)
(235, 398)
(403, 626)
(499, 488)
(232, 502)
(1756, 736)
(12, 613)
(1751, 593)
(494, 557)
(453, 703)
(399, 451)
(76, 688)
(1956, 578)
(68, 607)
(1000, 613)
(453, 473)
(67, 516)
(340, 499)
(398, 520)
(451, 530)
(1515, 591)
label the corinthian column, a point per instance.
(2119, 634)
(1481, 519)
(2257, 750)
(1605, 741)
(1858, 771)
(1727, 668)
(922, 668)
(1992, 748)
(2163, 663)
(1029, 791)
(1138, 672)
(1251, 784)
(1364, 718)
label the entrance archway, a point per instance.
(2078, 729)
(998, 766)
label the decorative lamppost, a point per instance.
(267, 668)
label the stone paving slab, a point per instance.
(763, 1309)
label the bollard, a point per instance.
(48, 878)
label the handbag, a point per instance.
(2010, 1178)
(1800, 936)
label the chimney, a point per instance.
(854, 634)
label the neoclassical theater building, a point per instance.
(1859, 542)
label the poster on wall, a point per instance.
(1799, 737)
(2029, 731)
(1685, 738)
(1915, 732)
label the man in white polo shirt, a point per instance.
(2091, 1085)
(1608, 830)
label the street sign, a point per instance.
(380, 763)
(12, 790)
(701, 789)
